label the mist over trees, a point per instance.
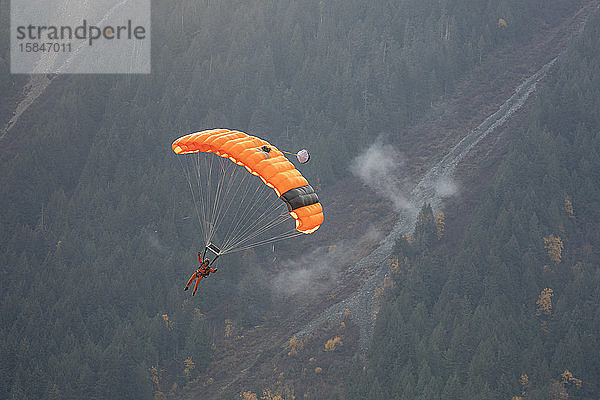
(97, 240)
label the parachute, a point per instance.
(225, 194)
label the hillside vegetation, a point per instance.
(97, 239)
(513, 311)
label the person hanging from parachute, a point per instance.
(249, 218)
(203, 271)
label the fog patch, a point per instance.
(446, 187)
(320, 270)
(381, 168)
(155, 243)
(310, 274)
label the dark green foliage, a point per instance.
(253, 298)
(97, 230)
(480, 332)
(425, 234)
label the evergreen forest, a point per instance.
(495, 298)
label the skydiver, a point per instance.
(203, 271)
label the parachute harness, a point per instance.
(214, 249)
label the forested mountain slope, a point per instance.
(94, 219)
(513, 311)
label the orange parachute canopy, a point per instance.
(265, 161)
